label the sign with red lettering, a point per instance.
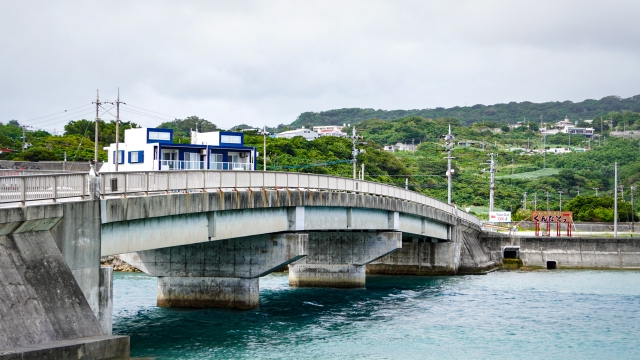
(552, 216)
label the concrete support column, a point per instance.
(220, 273)
(338, 259)
(105, 300)
(326, 275)
(208, 292)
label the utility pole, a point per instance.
(406, 183)
(264, 148)
(547, 201)
(535, 201)
(633, 209)
(540, 121)
(544, 151)
(492, 183)
(98, 103)
(118, 102)
(362, 171)
(355, 151)
(615, 201)
(524, 201)
(596, 189)
(560, 193)
(578, 192)
(622, 192)
(449, 142)
(23, 138)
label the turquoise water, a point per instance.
(530, 315)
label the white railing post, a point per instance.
(124, 187)
(167, 188)
(204, 180)
(84, 186)
(55, 188)
(146, 187)
(186, 181)
(23, 191)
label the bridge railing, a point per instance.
(122, 183)
(23, 188)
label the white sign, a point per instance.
(500, 216)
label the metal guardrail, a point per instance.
(122, 183)
(23, 188)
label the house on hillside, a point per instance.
(305, 133)
(147, 149)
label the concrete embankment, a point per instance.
(566, 252)
(41, 321)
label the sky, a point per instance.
(265, 62)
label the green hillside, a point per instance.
(498, 113)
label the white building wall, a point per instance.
(135, 136)
(208, 138)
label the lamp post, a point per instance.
(615, 202)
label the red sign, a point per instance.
(552, 216)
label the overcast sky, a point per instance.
(265, 62)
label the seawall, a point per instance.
(567, 252)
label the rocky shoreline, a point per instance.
(117, 264)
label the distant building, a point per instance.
(559, 150)
(328, 127)
(400, 147)
(305, 133)
(146, 149)
(588, 132)
(467, 143)
(332, 132)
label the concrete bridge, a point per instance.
(207, 236)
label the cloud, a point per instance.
(260, 62)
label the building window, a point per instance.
(231, 139)
(157, 135)
(136, 157)
(120, 157)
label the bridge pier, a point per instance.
(220, 273)
(338, 259)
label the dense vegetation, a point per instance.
(544, 178)
(498, 113)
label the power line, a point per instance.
(62, 112)
(173, 117)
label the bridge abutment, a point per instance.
(339, 259)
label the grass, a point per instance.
(531, 174)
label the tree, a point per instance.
(182, 127)
(37, 154)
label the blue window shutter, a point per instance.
(129, 155)
(121, 157)
(140, 156)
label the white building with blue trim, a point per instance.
(147, 149)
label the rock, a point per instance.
(117, 264)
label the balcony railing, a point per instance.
(230, 166)
(181, 165)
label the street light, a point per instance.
(264, 149)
